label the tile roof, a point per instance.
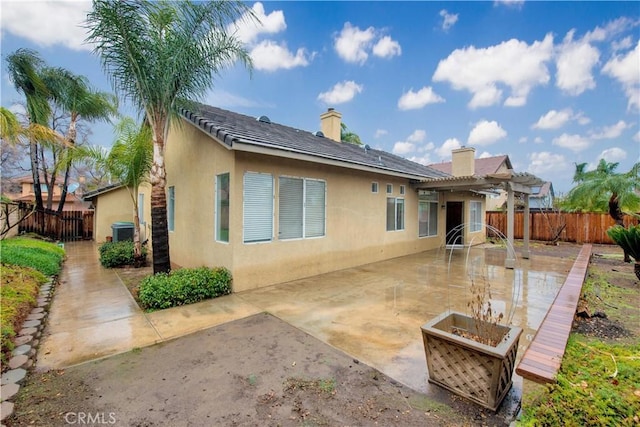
(484, 166)
(101, 190)
(231, 128)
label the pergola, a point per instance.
(511, 182)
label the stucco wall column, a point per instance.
(526, 231)
(510, 261)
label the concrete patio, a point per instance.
(372, 312)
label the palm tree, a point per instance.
(629, 240)
(24, 66)
(604, 190)
(128, 162)
(159, 54)
(75, 97)
(347, 136)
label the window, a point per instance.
(141, 208)
(257, 207)
(428, 215)
(389, 188)
(402, 190)
(475, 216)
(222, 207)
(395, 214)
(374, 187)
(43, 188)
(301, 206)
(171, 208)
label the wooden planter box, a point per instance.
(479, 372)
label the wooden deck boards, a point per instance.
(542, 359)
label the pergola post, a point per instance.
(526, 231)
(510, 261)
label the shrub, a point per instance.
(19, 288)
(40, 255)
(118, 254)
(184, 286)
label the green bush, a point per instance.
(40, 255)
(19, 287)
(118, 254)
(184, 286)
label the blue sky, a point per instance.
(550, 84)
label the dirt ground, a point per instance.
(262, 371)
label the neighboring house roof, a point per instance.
(546, 188)
(245, 133)
(99, 191)
(483, 166)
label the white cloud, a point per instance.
(509, 3)
(484, 155)
(623, 44)
(636, 137)
(546, 162)
(444, 151)
(574, 62)
(341, 92)
(403, 147)
(380, 132)
(47, 23)
(268, 55)
(613, 155)
(486, 133)
(581, 118)
(575, 143)
(448, 19)
(512, 63)
(624, 68)
(414, 100)
(538, 140)
(247, 29)
(522, 140)
(553, 119)
(387, 48)
(352, 43)
(610, 132)
(425, 159)
(417, 135)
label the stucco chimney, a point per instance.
(463, 161)
(330, 123)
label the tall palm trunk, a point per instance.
(37, 191)
(159, 225)
(71, 140)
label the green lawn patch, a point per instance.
(43, 256)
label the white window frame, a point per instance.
(431, 203)
(402, 190)
(305, 213)
(374, 187)
(217, 208)
(475, 209)
(171, 208)
(389, 188)
(247, 208)
(396, 203)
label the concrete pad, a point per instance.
(66, 348)
(177, 321)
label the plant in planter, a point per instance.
(472, 355)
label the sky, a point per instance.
(550, 84)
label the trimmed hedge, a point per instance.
(40, 255)
(118, 254)
(184, 286)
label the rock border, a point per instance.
(24, 355)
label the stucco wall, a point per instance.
(355, 217)
(116, 205)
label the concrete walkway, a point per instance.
(372, 312)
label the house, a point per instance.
(72, 202)
(544, 198)
(274, 203)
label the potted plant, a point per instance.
(472, 355)
(629, 240)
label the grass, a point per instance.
(34, 253)
(599, 380)
(325, 386)
(19, 287)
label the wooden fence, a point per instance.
(66, 226)
(578, 227)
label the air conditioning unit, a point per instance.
(122, 231)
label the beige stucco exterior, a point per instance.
(355, 216)
(116, 205)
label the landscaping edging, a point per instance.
(24, 355)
